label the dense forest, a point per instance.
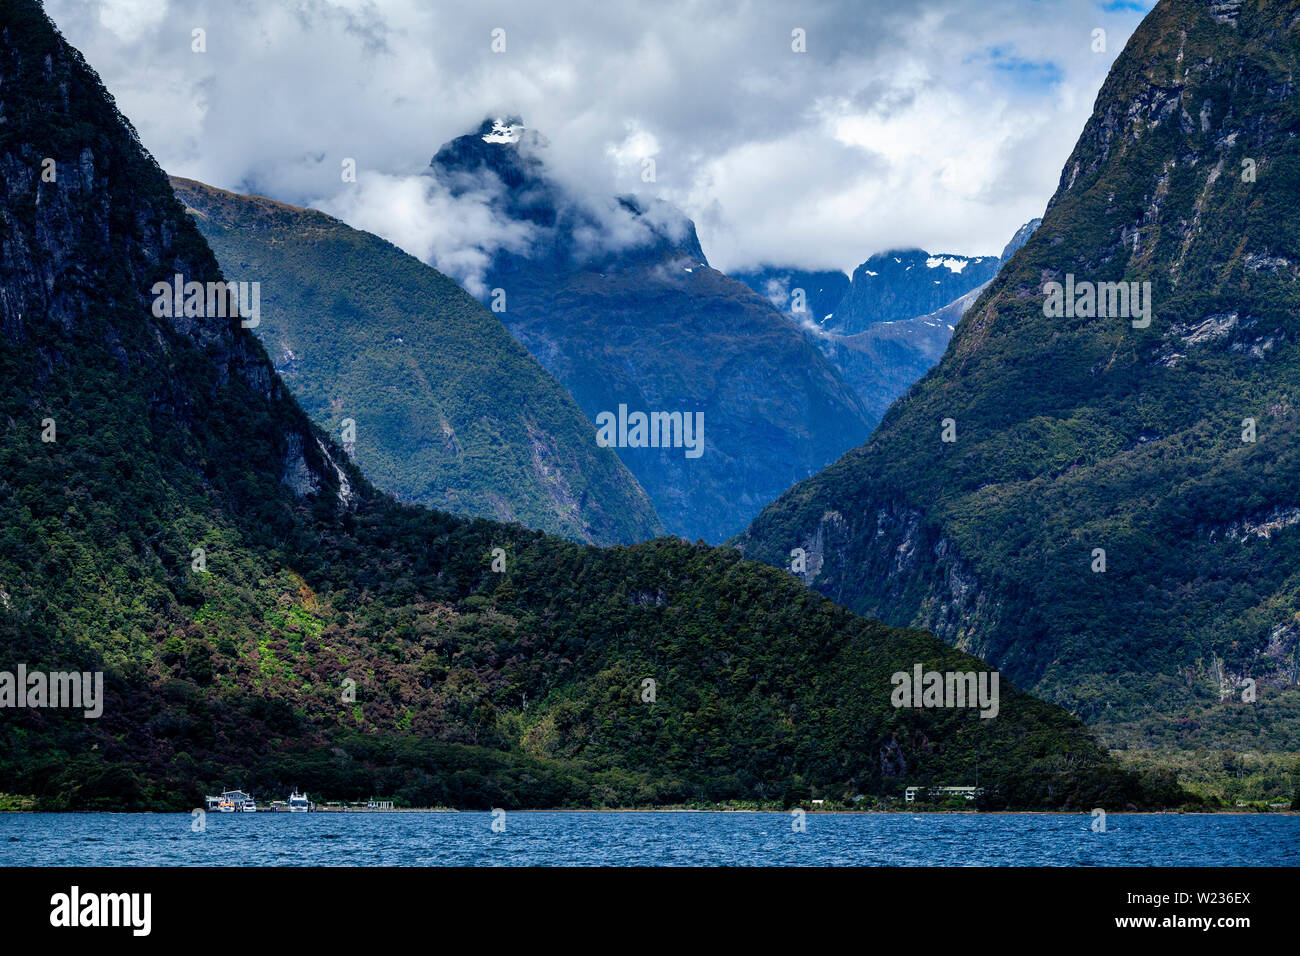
(1114, 520)
(263, 617)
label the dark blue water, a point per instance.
(653, 839)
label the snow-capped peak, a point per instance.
(501, 133)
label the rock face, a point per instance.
(893, 286)
(888, 287)
(886, 359)
(443, 407)
(1088, 528)
(79, 252)
(1019, 240)
(620, 304)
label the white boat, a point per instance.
(250, 806)
(298, 802)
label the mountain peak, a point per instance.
(502, 161)
(502, 131)
(503, 147)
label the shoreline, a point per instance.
(855, 813)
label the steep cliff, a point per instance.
(1101, 499)
(171, 520)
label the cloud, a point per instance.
(458, 234)
(942, 124)
(459, 218)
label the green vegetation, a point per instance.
(1078, 434)
(1225, 778)
(346, 643)
(449, 411)
(653, 327)
(14, 803)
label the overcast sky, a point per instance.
(941, 124)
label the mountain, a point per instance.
(893, 286)
(261, 616)
(885, 360)
(898, 285)
(446, 409)
(888, 287)
(820, 292)
(616, 299)
(890, 351)
(1019, 240)
(1116, 524)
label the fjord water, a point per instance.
(646, 839)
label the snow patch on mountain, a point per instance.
(503, 132)
(951, 263)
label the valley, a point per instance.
(305, 510)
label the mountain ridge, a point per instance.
(891, 350)
(260, 612)
(1104, 526)
(446, 408)
(643, 321)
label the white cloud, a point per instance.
(131, 19)
(942, 125)
(458, 235)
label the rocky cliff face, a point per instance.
(893, 286)
(1070, 470)
(917, 573)
(887, 358)
(1019, 240)
(89, 227)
